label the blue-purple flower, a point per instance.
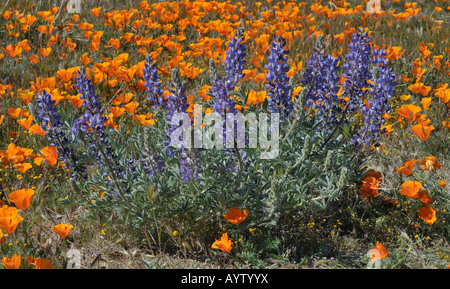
(235, 60)
(279, 97)
(153, 84)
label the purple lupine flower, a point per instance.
(152, 163)
(85, 87)
(92, 122)
(93, 116)
(189, 165)
(380, 91)
(221, 100)
(279, 97)
(321, 83)
(356, 71)
(235, 60)
(52, 124)
(178, 103)
(153, 84)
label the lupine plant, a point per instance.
(150, 180)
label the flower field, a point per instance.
(238, 134)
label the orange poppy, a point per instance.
(2, 237)
(16, 154)
(410, 189)
(23, 167)
(409, 112)
(428, 214)
(25, 96)
(14, 112)
(66, 74)
(235, 215)
(96, 11)
(381, 252)
(22, 198)
(62, 230)
(37, 159)
(422, 131)
(45, 51)
(13, 50)
(406, 168)
(43, 263)
(36, 129)
(117, 111)
(394, 52)
(25, 123)
(443, 92)
(85, 59)
(442, 184)
(223, 243)
(13, 263)
(371, 182)
(131, 107)
(429, 163)
(50, 155)
(9, 219)
(424, 198)
(419, 87)
(426, 101)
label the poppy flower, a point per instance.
(24, 123)
(131, 107)
(428, 214)
(96, 11)
(409, 112)
(422, 131)
(14, 112)
(442, 184)
(235, 215)
(426, 101)
(443, 92)
(406, 168)
(429, 163)
(43, 263)
(394, 52)
(62, 230)
(21, 198)
(419, 87)
(410, 189)
(36, 129)
(37, 159)
(9, 219)
(223, 243)
(13, 263)
(424, 198)
(66, 74)
(117, 111)
(50, 155)
(45, 51)
(2, 237)
(371, 182)
(13, 50)
(22, 167)
(382, 252)
(85, 59)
